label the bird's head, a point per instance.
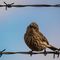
(33, 25)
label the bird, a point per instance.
(35, 39)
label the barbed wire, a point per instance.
(32, 53)
(35, 5)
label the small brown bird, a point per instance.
(35, 40)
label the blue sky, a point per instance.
(14, 21)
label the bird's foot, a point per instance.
(45, 53)
(30, 52)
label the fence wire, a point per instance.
(32, 53)
(34, 5)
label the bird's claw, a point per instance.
(45, 53)
(30, 52)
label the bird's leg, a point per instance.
(30, 52)
(45, 53)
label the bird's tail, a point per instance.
(52, 48)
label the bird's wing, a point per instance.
(44, 39)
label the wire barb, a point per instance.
(54, 55)
(8, 5)
(1, 52)
(58, 53)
